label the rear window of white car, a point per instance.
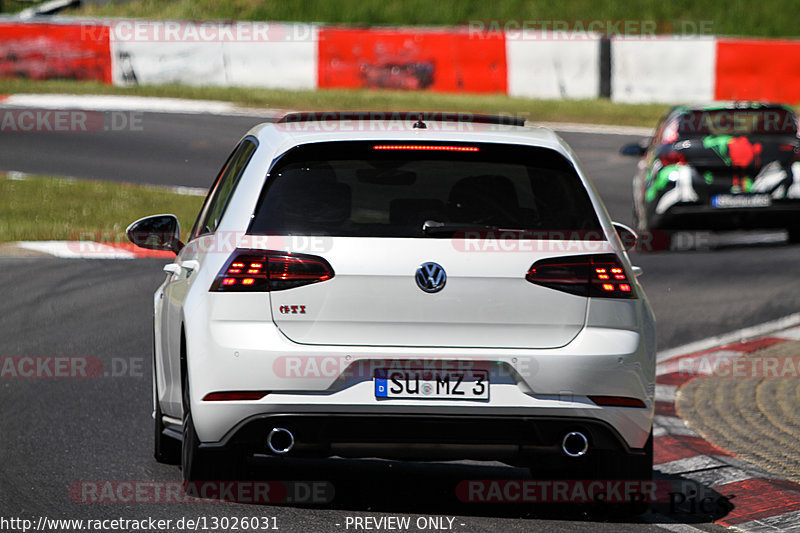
(421, 189)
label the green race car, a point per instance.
(720, 167)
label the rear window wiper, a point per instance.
(433, 227)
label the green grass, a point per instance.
(47, 208)
(587, 111)
(765, 18)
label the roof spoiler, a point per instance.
(417, 116)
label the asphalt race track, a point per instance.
(57, 434)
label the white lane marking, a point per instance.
(689, 464)
(704, 469)
(664, 522)
(180, 190)
(673, 425)
(717, 477)
(695, 365)
(76, 249)
(605, 129)
(677, 527)
(731, 337)
(16, 175)
(94, 102)
(785, 523)
(666, 393)
(791, 334)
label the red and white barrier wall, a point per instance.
(766, 67)
(47, 51)
(542, 67)
(305, 56)
(279, 56)
(670, 70)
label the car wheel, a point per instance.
(794, 234)
(165, 449)
(625, 466)
(622, 466)
(640, 467)
(199, 464)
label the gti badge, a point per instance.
(431, 277)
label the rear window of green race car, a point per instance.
(760, 121)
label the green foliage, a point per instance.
(45, 208)
(766, 18)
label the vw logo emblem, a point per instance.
(430, 277)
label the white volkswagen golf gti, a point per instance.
(404, 286)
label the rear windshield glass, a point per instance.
(404, 189)
(737, 122)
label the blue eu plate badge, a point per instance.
(380, 384)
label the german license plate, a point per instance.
(723, 201)
(472, 384)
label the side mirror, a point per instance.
(157, 232)
(626, 235)
(633, 149)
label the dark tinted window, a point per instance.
(228, 178)
(769, 120)
(353, 189)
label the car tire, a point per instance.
(198, 464)
(640, 467)
(627, 466)
(166, 450)
(794, 234)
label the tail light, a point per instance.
(267, 270)
(231, 396)
(617, 401)
(600, 275)
(670, 134)
(672, 158)
(426, 147)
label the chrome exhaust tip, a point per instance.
(280, 441)
(575, 444)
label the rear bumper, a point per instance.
(514, 439)
(337, 381)
(781, 215)
(526, 414)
